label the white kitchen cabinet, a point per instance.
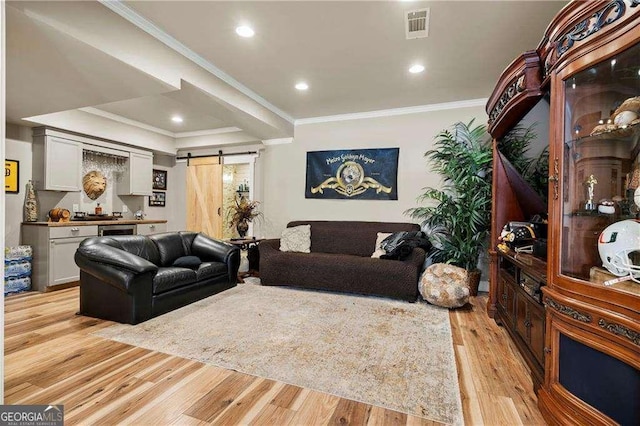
(137, 179)
(150, 228)
(57, 163)
(54, 249)
(62, 266)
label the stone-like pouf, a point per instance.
(444, 285)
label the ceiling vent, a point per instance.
(417, 23)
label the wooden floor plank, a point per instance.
(89, 378)
(53, 357)
(241, 406)
(99, 407)
(316, 409)
(273, 415)
(94, 391)
(118, 410)
(350, 413)
(168, 407)
(286, 396)
(262, 403)
(381, 416)
(219, 398)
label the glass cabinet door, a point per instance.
(601, 173)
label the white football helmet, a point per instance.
(616, 244)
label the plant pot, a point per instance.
(242, 227)
(473, 280)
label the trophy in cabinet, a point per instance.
(590, 184)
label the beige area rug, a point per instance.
(382, 352)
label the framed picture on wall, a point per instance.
(11, 176)
(160, 179)
(353, 174)
(157, 199)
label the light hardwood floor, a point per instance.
(51, 357)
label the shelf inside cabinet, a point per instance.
(599, 276)
(534, 265)
(628, 133)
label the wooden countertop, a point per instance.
(96, 222)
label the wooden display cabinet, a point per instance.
(520, 309)
(589, 59)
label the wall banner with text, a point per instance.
(361, 174)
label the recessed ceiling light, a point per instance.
(245, 31)
(302, 86)
(177, 119)
(415, 69)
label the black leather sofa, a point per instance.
(132, 278)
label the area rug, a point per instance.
(393, 354)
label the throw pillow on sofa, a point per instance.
(296, 238)
(379, 251)
(191, 262)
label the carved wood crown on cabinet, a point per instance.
(594, 22)
(517, 92)
(584, 319)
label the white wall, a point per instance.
(20, 151)
(175, 198)
(539, 115)
(283, 167)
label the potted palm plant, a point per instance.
(458, 217)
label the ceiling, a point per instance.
(141, 62)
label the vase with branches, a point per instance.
(241, 212)
(458, 219)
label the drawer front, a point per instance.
(73, 231)
(150, 228)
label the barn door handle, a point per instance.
(219, 211)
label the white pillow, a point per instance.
(378, 250)
(297, 238)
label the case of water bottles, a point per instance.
(17, 269)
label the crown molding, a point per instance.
(393, 112)
(150, 28)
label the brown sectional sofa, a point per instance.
(340, 260)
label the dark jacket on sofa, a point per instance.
(132, 278)
(340, 260)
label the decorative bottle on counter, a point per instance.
(30, 212)
(98, 209)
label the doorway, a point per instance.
(213, 185)
(236, 185)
